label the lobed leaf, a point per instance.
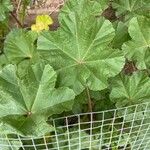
(31, 99)
(130, 90)
(5, 7)
(79, 50)
(131, 8)
(138, 49)
(19, 45)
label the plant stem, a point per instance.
(89, 99)
(18, 22)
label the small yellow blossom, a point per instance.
(42, 23)
(45, 19)
(39, 27)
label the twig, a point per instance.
(18, 7)
(18, 22)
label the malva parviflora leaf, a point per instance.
(138, 49)
(131, 8)
(79, 50)
(5, 7)
(32, 100)
(129, 90)
(82, 8)
(19, 46)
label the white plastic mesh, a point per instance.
(119, 129)
(126, 128)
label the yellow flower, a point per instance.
(42, 23)
(45, 19)
(39, 27)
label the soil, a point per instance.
(50, 7)
(129, 68)
(110, 14)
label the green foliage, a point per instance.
(132, 8)
(3, 61)
(19, 45)
(138, 49)
(83, 65)
(32, 99)
(121, 36)
(130, 90)
(84, 45)
(91, 8)
(5, 7)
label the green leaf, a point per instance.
(83, 8)
(101, 100)
(31, 99)
(19, 45)
(127, 91)
(138, 49)
(104, 3)
(80, 103)
(121, 36)
(79, 50)
(5, 7)
(130, 90)
(3, 61)
(131, 8)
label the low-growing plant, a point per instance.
(88, 64)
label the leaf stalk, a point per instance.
(89, 99)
